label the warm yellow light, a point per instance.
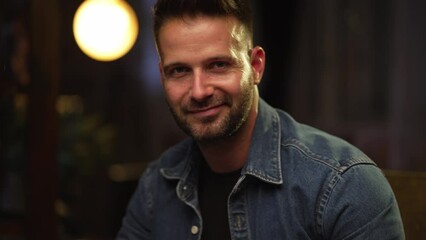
(105, 30)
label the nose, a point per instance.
(200, 89)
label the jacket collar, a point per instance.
(264, 161)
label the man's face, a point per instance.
(207, 75)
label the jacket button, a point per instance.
(194, 229)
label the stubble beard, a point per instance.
(218, 127)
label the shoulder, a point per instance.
(139, 216)
(353, 196)
(318, 145)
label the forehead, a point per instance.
(200, 32)
(196, 27)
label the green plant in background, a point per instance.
(86, 149)
(86, 141)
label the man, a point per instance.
(247, 171)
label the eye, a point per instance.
(219, 66)
(176, 72)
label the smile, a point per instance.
(206, 112)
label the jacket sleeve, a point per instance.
(137, 221)
(359, 204)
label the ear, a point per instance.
(257, 58)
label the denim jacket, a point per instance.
(298, 183)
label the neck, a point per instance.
(230, 154)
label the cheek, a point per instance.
(233, 85)
(247, 75)
(174, 93)
(245, 80)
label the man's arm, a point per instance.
(361, 205)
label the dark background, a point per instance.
(76, 133)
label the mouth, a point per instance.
(209, 111)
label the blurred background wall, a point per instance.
(76, 133)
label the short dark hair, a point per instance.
(165, 10)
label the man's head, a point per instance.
(209, 69)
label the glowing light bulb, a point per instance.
(105, 30)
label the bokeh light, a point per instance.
(105, 30)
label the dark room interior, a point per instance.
(76, 133)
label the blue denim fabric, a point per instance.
(298, 183)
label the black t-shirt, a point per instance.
(214, 189)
